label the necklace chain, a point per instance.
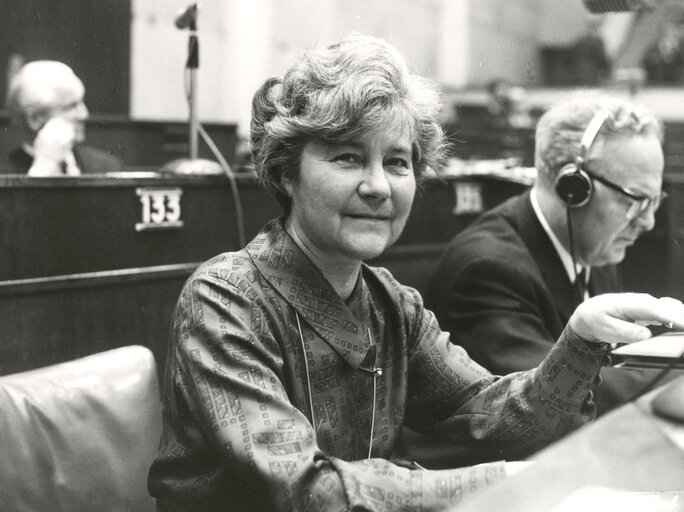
(375, 371)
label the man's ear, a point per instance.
(36, 119)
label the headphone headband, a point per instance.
(590, 133)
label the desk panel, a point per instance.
(57, 226)
(76, 277)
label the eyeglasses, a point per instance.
(640, 203)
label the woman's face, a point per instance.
(351, 201)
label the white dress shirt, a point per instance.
(564, 255)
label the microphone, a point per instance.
(187, 18)
(601, 6)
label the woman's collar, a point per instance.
(287, 269)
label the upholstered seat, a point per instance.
(80, 435)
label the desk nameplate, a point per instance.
(161, 208)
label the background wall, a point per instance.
(458, 43)
(503, 41)
(132, 57)
(243, 42)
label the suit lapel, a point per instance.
(566, 295)
(282, 263)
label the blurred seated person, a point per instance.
(293, 366)
(45, 103)
(505, 105)
(589, 63)
(664, 61)
(506, 286)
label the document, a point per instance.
(659, 351)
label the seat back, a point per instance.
(80, 435)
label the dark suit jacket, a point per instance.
(501, 290)
(90, 160)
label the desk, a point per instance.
(79, 275)
(630, 449)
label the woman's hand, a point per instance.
(620, 317)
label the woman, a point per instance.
(293, 366)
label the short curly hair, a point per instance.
(339, 93)
(559, 130)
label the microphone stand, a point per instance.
(192, 65)
(193, 164)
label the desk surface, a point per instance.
(631, 451)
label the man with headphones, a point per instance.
(507, 284)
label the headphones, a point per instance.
(573, 184)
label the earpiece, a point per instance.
(573, 185)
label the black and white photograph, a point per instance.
(342, 255)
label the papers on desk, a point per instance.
(657, 352)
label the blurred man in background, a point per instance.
(505, 105)
(45, 101)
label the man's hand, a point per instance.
(621, 317)
(54, 142)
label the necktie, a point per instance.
(581, 283)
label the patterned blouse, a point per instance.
(279, 395)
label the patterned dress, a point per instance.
(279, 395)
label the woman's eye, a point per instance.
(399, 164)
(347, 158)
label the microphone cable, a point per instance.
(239, 213)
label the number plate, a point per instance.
(468, 198)
(161, 208)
